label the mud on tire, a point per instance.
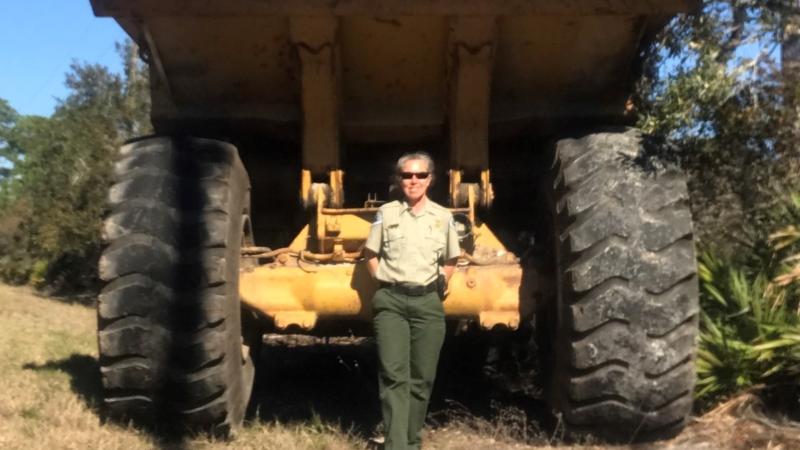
(626, 311)
(169, 329)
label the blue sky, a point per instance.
(38, 41)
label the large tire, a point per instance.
(625, 316)
(169, 328)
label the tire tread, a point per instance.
(164, 315)
(625, 345)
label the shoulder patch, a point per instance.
(378, 219)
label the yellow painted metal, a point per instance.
(330, 289)
(336, 182)
(491, 319)
(455, 185)
(297, 294)
(486, 241)
(306, 194)
(389, 70)
(469, 194)
(478, 289)
(332, 228)
(487, 191)
(314, 42)
(300, 241)
(302, 319)
(295, 291)
(471, 46)
(345, 228)
(142, 8)
(322, 195)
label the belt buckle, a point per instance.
(413, 290)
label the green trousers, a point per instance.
(409, 331)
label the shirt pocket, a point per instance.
(393, 240)
(435, 245)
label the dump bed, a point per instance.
(393, 60)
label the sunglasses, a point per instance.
(409, 175)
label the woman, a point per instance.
(411, 250)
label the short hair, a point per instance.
(424, 156)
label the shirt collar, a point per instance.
(407, 208)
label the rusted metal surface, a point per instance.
(391, 71)
(471, 52)
(337, 233)
(471, 194)
(321, 195)
(314, 40)
(302, 255)
(154, 59)
(461, 72)
(348, 7)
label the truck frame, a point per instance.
(232, 220)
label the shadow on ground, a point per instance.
(306, 380)
(85, 382)
(84, 373)
(302, 379)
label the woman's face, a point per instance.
(415, 179)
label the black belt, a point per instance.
(410, 289)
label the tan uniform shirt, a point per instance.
(410, 247)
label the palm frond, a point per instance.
(750, 318)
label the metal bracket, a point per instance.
(330, 194)
(472, 42)
(462, 194)
(315, 42)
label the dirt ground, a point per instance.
(310, 394)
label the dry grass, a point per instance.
(741, 423)
(50, 392)
(50, 388)
(49, 379)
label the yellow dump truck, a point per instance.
(277, 126)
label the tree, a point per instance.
(9, 155)
(790, 53)
(790, 65)
(713, 95)
(57, 192)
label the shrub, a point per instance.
(750, 321)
